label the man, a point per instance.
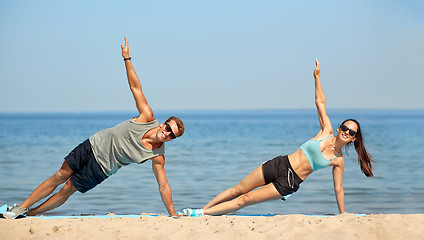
(133, 141)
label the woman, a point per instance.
(281, 176)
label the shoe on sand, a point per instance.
(193, 212)
(14, 212)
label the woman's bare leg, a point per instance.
(266, 193)
(253, 180)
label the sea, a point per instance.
(218, 149)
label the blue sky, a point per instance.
(66, 56)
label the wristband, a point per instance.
(128, 58)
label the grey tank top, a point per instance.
(121, 145)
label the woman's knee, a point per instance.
(237, 190)
(242, 188)
(244, 200)
(253, 180)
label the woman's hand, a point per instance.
(125, 49)
(317, 69)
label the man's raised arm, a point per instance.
(145, 111)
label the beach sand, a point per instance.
(345, 226)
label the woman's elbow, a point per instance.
(320, 101)
(338, 189)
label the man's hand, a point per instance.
(125, 49)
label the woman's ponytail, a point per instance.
(364, 158)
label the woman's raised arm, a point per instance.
(324, 120)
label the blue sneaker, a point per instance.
(193, 212)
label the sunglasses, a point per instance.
(351, 132)
(169, 129)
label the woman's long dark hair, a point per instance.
(364, 158)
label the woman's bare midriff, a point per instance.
(300, 164)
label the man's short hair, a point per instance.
(179, 123)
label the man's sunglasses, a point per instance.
(169, 129)
(351, 132)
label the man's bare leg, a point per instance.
(48, 186)
(56, 200)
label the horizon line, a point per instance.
(211, 110)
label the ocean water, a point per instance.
(218, 149)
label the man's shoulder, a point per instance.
(145, 116)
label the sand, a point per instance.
(294, 227)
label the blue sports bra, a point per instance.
(312, 151)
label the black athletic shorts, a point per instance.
(87, 172)
(280, 173)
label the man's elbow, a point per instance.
(163, 188)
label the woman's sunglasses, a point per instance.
(351, 132)
(169, 129)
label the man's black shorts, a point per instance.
(87, 172)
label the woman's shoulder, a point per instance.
(323, 134)
(338, 161)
